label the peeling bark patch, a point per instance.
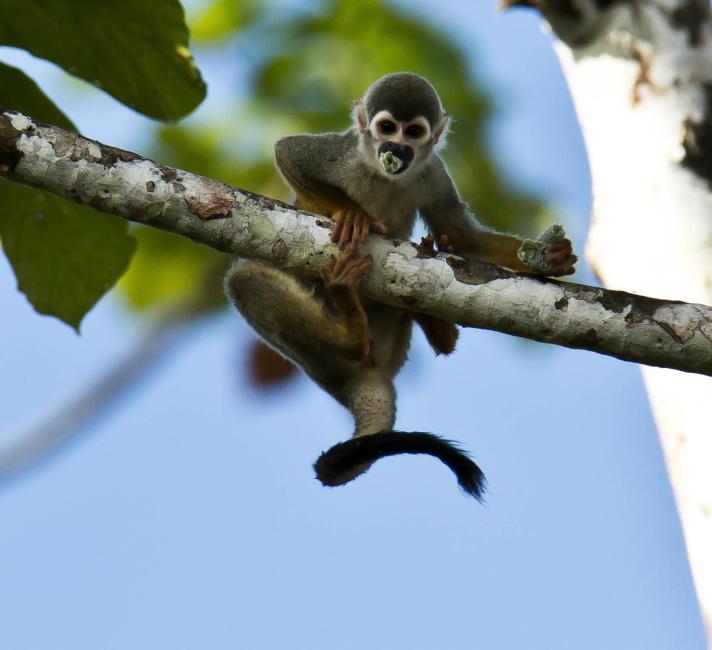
(214, 206)
(637, 309)
(561, 304)
(706, 330)
(150, 186)
(589, 339)
(168, 174)
(280, 249)
(667, 327)
(697, 141)
(475, 273)
(111, 155)
(9, 155)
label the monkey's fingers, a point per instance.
(380, 227)
(350, 269)
(560, 257)
(338, 217)
(428, 243)
(361, 235)
(343, 261)
(444, 246)
(327, 269)
(359, 267)
(343, 229)
(559, 246)
(347, 229)
(565, 267)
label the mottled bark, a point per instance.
(634, 328)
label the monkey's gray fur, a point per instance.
(353, 347)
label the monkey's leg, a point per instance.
(341, 278)
(441, 334)
(284, 311)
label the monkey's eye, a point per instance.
(415, 131)
(387, 127)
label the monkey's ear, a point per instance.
(360, 115)
(441, 127)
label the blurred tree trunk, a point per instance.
(640, 72)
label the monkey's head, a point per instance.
(400, 121)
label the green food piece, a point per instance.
(390, 162)
(553, 234)
(533, 251)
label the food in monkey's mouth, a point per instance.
(390, 162)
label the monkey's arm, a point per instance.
(448, 215)
(312, 166)
(317, 168)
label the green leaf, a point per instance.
(19, 93)
(65, 256)
(137, 51)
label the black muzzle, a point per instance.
(395, 158)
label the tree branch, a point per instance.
(633, 328)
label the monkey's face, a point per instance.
(397, 147)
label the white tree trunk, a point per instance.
(640, 72)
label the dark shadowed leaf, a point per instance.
(136, 51)
(65, 256)
(19, 93)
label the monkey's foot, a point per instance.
(353, 226)
(346, 271)
(427, 248)
(341, 278)
(441, 335)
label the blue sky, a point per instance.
(189, 516)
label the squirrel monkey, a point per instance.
(377, 176)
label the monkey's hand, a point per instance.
(549, 254)
(353, 226)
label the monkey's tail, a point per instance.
(346, 460)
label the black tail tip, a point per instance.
(347, 460)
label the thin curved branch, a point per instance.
(627, 326)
